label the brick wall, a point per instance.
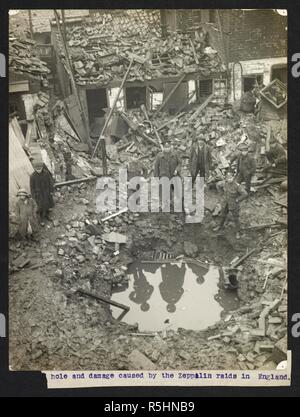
(255, 34)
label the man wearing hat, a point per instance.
(246, 166)
(26, 215)
(42, 188)
(167, 164)
(234, 193)
(200, 158)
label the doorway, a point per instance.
(97, 105)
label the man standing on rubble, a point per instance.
(167, 164)
(234, 193)
(42, 188)
(246, 166)
(200, 158)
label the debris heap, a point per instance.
(101, 48)
(23, 58)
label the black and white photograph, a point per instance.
(148, 189)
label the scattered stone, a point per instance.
(37, 355)
(275, 320)
(61, 252)
(280, 350)
(266, 347)
(59, 273)
(183, 355)
(214, 337)
(190, 249)
(138, 360)
(84, 201)
(80, 258)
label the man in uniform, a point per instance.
(234, 193)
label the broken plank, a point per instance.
(202, 107)
(243, 258)
(260, 226)
(76, 181)
(280, 204)
(194, 52)
(170, 121)
(170, 94)
(114, 214)
(101, 298)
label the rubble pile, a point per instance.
(23, 58)
(100, 54)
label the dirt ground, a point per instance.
(52, 327)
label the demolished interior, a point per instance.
(77, 296)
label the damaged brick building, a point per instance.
(183, 74)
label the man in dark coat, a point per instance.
(42, 188)
(171, 286)
(246, 166)
(142, 290)
(167, 163)
(234, 193)
(200, 159)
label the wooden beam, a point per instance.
(200, 108)
(144, 110)
(103, 299)
(101, 137)
(170, 121)
(73, 83)
(170, 94)
(76, 181)
(243, 258)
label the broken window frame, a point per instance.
(201, 97)
(126, 97)
(121, 102)
(255, 76)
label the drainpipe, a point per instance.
(163, 23)
(225, 53)
(30, 23)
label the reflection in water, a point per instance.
(142, 289)
(170, 296)
(171, 287)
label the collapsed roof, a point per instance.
(23, 58)
(101, 48)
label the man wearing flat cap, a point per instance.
(200, 158)
(246, 166)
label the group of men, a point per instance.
(168, 164)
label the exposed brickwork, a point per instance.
(255, 34)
